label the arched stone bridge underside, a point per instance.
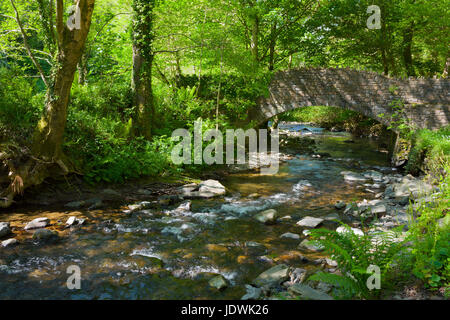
(427, 101)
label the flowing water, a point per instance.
(120, 255)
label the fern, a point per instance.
(348, 286)
(354, 254)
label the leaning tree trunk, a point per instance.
(46, 159)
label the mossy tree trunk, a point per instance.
(143, 56)
(46, 159)
(50, 130)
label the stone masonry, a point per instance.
(427, 101)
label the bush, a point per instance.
(20, 107)
(430, 238)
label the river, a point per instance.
(172, 253)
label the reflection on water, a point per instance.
(171, 254)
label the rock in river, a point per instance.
(37, 223)
(310, 222)
(4, 229)
(352, 176)
(44, 234)
(218, 282)
(290, 236)
(267, 217)
(311, 245)
(307, 292)
(272, 277)
(9, 242)
(252, 293)
(343, 229)
(340, 205)
(73, 221)
(206, 189)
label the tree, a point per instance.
(47, 146)
(142, 66)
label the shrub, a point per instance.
(354, 254)
(430, 238)
(20, 107)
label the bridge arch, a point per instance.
(427, 101)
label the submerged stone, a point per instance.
(44, 234)
(267, 217)
(311, 245)
(290, 236)
(218, 282)
(252, 293)
(307, 292)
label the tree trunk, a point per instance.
(82, 69)
(143, 55)
(273, 41)
(142, 93)
(255, 39)
(447, 66)
(407, 51)
(46, 159)
(50, 130)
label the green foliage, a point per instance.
(105, 98)
(430, 237)
(127, 160)
(430, 151)
(98, 136)
(20, 106)
(179, 106)
(354, 254)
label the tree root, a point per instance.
(19, 170)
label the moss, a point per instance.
(429, 150)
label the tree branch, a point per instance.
(27, 47)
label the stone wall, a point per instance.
(426, 101)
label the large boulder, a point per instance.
(267, 217)
(37, 223)
(411, 187)
(273, 277)
(4, 229)
(205, 189)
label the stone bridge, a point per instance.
(427, 101)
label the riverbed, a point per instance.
(173, 252)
